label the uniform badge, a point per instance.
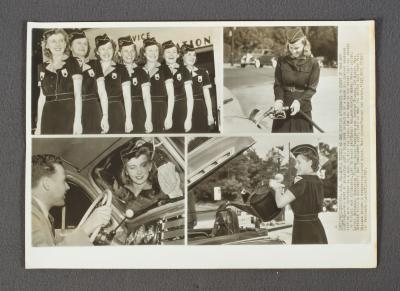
(41, 76)
(64, 72)
(134, 81)
(91, 73)
(179, 77)
(200, 79)
(157, 76)
(114, 75)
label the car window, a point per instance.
(108, 174)
(77, 201)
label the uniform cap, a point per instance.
(187, 48)
(133, 147)
(302, 148)
(101, 40)
(149, 41)
(125, 41)
(168, 44)
(294, 35)
(76, 34)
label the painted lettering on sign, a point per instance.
(141, 36)
(198, 42)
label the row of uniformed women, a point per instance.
(78, 95)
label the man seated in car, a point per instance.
(49, 187)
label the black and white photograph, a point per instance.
(107, 191)
(258, 190)
(123, 80)
(152, 144)
(281, 79)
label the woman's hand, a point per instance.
(105, 126)
(77, 128)
(148, 125)
(169, 180)
(188, 124)
(278, 106)
(37, 130)
(168, 123)
(210, 120)
(276, 185)
(128, 125)
(295, 107)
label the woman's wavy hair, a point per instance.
(310, 155)
(47, 55)
(306, 51)
(125, 179)
(141, 59)
(121, 61)
(114, 46)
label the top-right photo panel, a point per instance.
(281, 79)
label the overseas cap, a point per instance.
(125, 41)
(302, 148)
(294, 35)
(101, 40)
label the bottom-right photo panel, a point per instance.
(263, 190)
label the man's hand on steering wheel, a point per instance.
(99, 218)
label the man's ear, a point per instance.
(46, 183)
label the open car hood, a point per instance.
(212, 154)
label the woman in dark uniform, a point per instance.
(296, 81)
(182, 115)
(140, 86)
(60, 82)
(161, 87)
(94, 117)
(305, 197)
(118, 86)
(202, 107)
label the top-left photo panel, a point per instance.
(123, 80)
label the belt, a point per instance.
(158, 99)
(137, 98)
(114, 99)
(52, 98)
(306, 217)
(292, 89)
(198, 97)
(89, 97)
(180, 98)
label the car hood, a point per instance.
(212, 154)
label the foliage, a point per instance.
(323, 41)
(251, 172)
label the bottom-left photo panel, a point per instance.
(107, 191)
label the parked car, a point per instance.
(249, 60)
(266, 58)
(91, 164)
(226, 223)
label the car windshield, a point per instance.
(165, 169)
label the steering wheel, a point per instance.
(101, 200)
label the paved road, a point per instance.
(253, 88)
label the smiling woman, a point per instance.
(59, 107)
